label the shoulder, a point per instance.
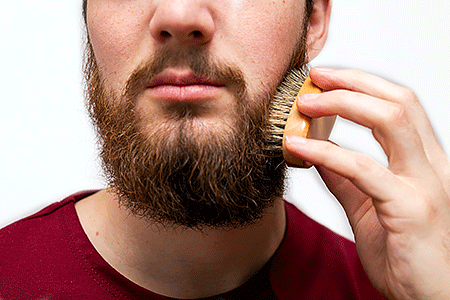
(29, 232)
(37, 227)
(36, 253)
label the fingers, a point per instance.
(397, 122)
(404, 206)
(357, 81)
(367, 84)
(360, 183)
(366, 174)
(389, 122)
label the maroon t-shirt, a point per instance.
(48, 256)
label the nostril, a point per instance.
(165, 34)
(182, 22)
(197, 33)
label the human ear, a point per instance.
(318, 27)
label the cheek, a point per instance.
(268, 39)
(114, 34)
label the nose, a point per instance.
(182, 21)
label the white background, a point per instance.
(47, 147)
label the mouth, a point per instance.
(183, 86)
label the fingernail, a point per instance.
(308, 97)
(295, 140)
(323, 69)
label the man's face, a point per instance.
(258, 37)
(179, 91)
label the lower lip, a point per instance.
(184, 93)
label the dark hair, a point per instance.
(308, 9)
(84, 11)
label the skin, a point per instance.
(257, 37)
(399, 213)
(124, 34)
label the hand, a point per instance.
(400, 215)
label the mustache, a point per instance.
(197, 60)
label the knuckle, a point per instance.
(426, 200)
(396, 115)
(428, 209)
(432, 209)
(406, 95)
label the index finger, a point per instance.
(354, 80)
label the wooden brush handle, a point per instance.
(301, 125)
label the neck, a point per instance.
(176, 262)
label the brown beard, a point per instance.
(180, 171)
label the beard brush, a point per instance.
(285, 119)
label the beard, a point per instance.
(176, 169)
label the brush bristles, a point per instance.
(281, 106)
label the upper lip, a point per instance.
(181, 79)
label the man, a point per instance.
(179, 93)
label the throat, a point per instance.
(176, 262)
